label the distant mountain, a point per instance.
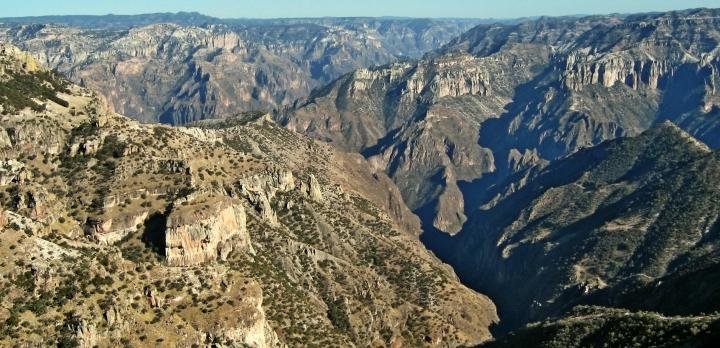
(179, 68)
(503, 97)
(112, 21)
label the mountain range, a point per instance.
(180, 68)
(504, 143)
(325, 180)
(504, 97)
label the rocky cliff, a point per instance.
(205, 229)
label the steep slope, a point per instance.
(231, 233)
(602, 327)
(183, 68)
(503, 97)
(618, 224)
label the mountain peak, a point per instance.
(668, 128)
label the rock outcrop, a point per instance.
(252, 328)
(107, 231)
(5, 141)
(85, 147)
(86, 334)
(13, 58)
(205, 229)
(12, 171)
(114, 317)
(583, 69)
(151, 294)
(313, 189)
(260, 190)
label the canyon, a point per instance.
(469, 131)
(503, 97)
(181, 68)
(397, 182)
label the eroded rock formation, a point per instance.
(205, 229)
(109, 230)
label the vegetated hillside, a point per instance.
(603, 327)
(631, 223)
(232, 233)
(503, 97)
(179, 68)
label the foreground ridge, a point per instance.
(228, 233)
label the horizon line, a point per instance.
(357, 17)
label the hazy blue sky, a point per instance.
(317, 8)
